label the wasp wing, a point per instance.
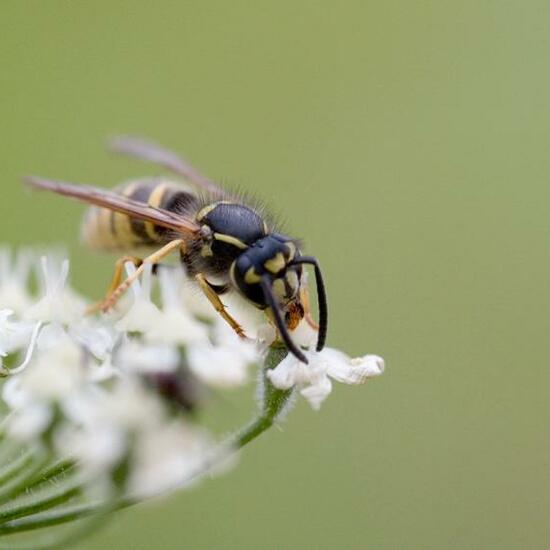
(152, 152)
(119, 203)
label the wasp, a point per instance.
(223, 243)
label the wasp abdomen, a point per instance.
(107, 230)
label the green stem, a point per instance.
(58, 538)
(273, 400)
(14, 467)
(40, 502)
(55, 470)
(23, 479)
(49, 519)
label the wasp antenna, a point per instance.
(321, 298)
(283, 330)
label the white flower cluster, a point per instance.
(109, 392)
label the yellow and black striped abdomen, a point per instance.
(110, 231)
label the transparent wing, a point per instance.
(119, 203)
(152, 152)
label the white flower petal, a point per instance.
(14, 275)
(304, 335)
(134, 356)
(266, 334)
(142, 316)
(356, 371)
(97, 448)
(28, 422)
(14, 297)
(218, 367)
(98, 337)
(14, 394)
(103, 372)
(167, 459)
(55, 372)
(316, 393)
(129, 405)
(59, 304)
(225, 338)
(51, 335)
(284, 376)
(14, 335)
(175, 327)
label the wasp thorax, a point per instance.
(268, 258)
(227, 229)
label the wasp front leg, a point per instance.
(115, 281)
(214, 299)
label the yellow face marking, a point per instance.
(155, 198)
(230, 240)
(203, 212)
(275, 264)
(279, 289)
(251, 277)
(291, 250)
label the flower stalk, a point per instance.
(273, 401)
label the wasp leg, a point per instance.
(214, 299)
(115, 281)
(154, 258)
(304, 299)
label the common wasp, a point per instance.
(223, 243)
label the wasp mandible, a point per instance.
(223, 243)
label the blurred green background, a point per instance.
(408, 143)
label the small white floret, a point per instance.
(167, 459)
(313, 379)
(14, 335)
(59, 303)
(14, 277)
(134, 356)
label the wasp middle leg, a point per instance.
(210, 292)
